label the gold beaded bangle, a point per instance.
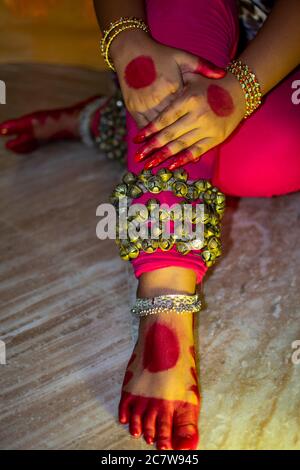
(249, 84)
(114, 30)
(120, 22)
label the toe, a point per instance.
(185, 427)
(15, 126)
(124, 407)
(136, 416)
(185, 437)
(24, 143)
(149, 425)
(164, 430)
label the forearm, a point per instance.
(112, 10)
(275, 51)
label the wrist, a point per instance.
(128, 43)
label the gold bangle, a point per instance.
(114, 30)
(249, 84)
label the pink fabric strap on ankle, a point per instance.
(147, 262)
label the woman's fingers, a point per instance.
(180, 157)
(191, 63)
(171, 114)
(140, 120)
(170, 140)
(192, 154)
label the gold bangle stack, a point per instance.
(249, 84)
(114, 30)
(133, 186)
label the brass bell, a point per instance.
(196, 244)
(213, 244)
(217, 231)
(123, 250)
(135, 191)
(129, 178)
(200, 185)
(152, 204)
(138, 243)
(177, 214)
(141, 215)
(165, 244)
(198, 216)
(120, 190)
(220, 198)
(182, 248)
(144, 176)
(220, 210)
(155, 184)
(132, 234)
(206, 255)
(209, 232)
(133, 251)
(180, 174)
(164, 214)
(214, 220)
(149, 246)
(208, 196)
(179, 188)
(192, 192)
(164, 174)
(155, 231)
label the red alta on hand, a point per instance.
(140, 72)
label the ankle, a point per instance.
(172, 280)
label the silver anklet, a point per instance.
(178, 303)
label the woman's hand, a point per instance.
(150, 74)
(204, 114)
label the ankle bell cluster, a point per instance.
(110, 138)
(200, 191)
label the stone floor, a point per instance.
(65, 300)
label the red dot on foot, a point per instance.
(161, 348)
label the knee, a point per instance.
(265, 166)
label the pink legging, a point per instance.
(262, 157)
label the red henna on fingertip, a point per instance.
(146, 149)
(140, 72)
(220, 101)
(144, 133)
(208, 69)
(184, 157)
(159, 157)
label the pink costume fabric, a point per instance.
(262, 157)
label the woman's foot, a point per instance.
(33, 130)
(160, 394)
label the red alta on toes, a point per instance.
(160, 394)
(34, 129)
(170, 424)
